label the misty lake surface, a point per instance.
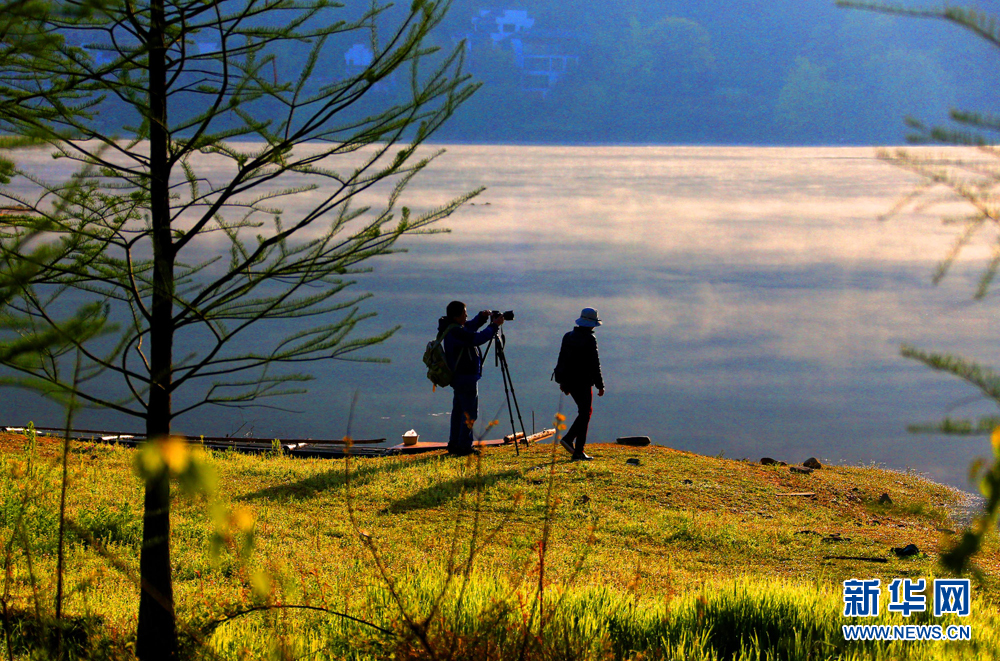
(753, 305)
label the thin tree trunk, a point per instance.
(157, 631)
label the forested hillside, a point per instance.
(717, 71)
(677, 71)
(725, 71)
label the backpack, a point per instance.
(558, 374)
(565, 371)
(438, 370)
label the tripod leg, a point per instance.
(507, 388)
(506, 370)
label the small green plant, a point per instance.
(111, 524)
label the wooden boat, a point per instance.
(332, 448)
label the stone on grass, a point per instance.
(767, 461)
(632, 462)
(801, 470)
(884, 499)
(906, 551)
(634, 441)
(812, 462)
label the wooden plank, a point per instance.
(429, 446)
(541, 436)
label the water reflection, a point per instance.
(753, 304)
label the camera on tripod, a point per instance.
(508, 315)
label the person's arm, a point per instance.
(469, 337)
(472, 325)
(598, 377)
(485, 335)
(488, 333)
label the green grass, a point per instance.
(639, 563)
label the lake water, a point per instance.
(753, 306)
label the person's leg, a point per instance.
(567, 441)
(472, 410)
(465, 411)
(584, 398)
(455, 432)
(570, 436)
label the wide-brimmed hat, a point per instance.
(588, 318)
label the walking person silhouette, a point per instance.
(578, 370)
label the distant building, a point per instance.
(500, 24)
(544, 57)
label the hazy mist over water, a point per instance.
(753, 306)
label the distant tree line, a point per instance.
(681, 71)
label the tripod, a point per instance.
(508, 388)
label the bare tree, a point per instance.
(174, 253)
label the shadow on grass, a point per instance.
(38, 636)
(362, 473)
(441, 492)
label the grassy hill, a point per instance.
(680, 556)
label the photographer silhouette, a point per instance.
(462, 339)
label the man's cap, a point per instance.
(588, 318)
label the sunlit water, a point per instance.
(753, 305)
